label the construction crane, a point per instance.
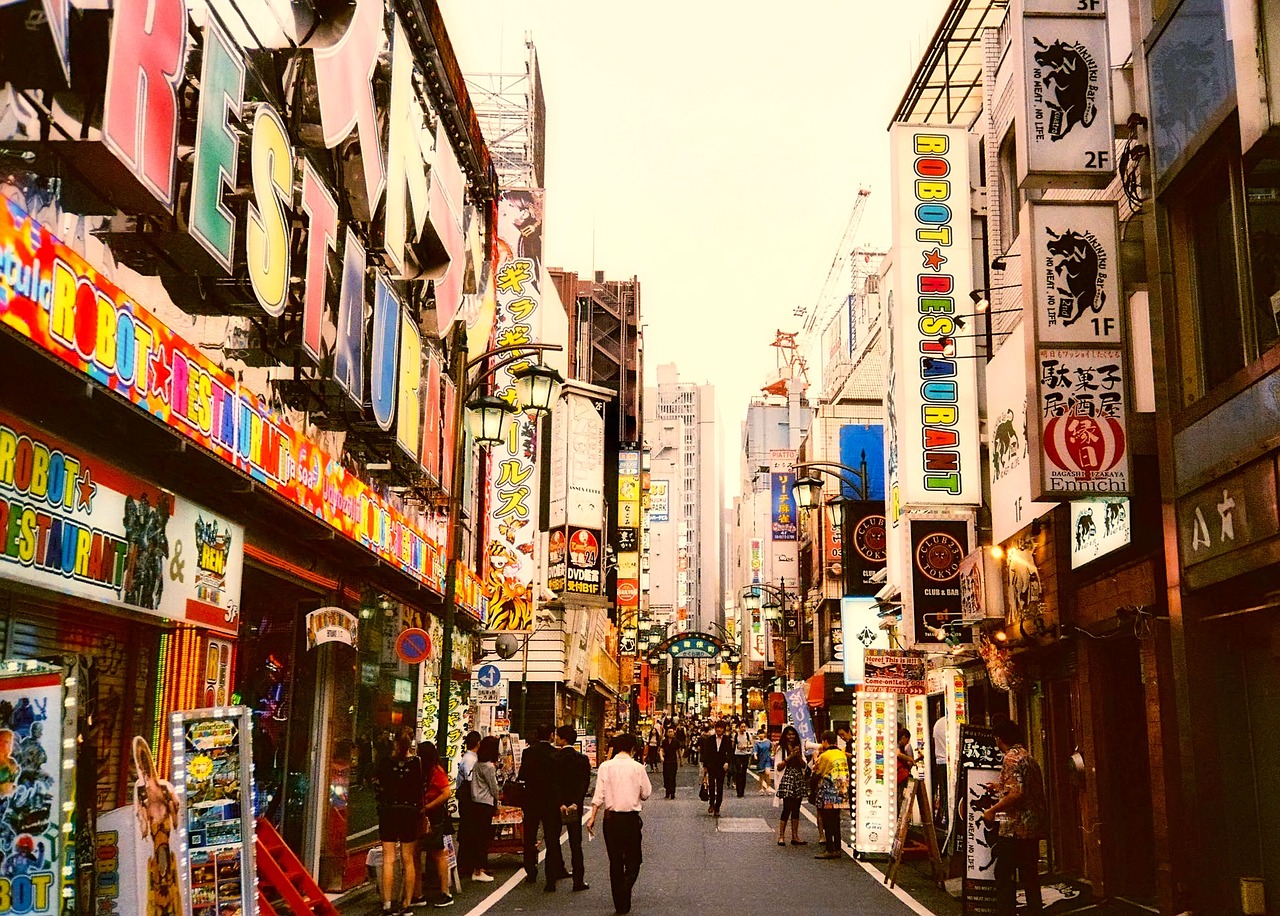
(838, 285)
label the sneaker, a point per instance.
(446, 900)
(482, 876)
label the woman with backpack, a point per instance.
(399, 784)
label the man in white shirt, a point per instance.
(622, 785)
(940, 770)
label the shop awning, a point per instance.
(817, 689)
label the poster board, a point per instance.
(979, 764)
(915, 807)
(212, 756)
(875, 777)
(37, 786)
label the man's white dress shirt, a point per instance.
(622, 784)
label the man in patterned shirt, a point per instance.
(1022, 815)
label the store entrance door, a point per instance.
(1125, 779)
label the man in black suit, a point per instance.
(571, 776)
(717, 756)
(540, 807)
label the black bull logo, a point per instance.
(1066, 82)
(1076, 265)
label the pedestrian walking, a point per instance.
(399, 786)
(1021, 814)
(717, 758)
(941, 815)
(622, 785)
(764, 762)
(435, 812)
(832, 796)
(485, 793)
(651, 752)
(462, 790)
(793, 784)
(541, 809)
(571, 776)
(741, 757)
(670, 751)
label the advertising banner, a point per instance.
(35, 787)
(979, 764)
(1081, 445)
(938, 546)
(888, 671)
(585, 471)
(1065, 134)
(931, 370)
(875, 777)
(659, 500)
(868, 545)
(832, 550)
(75, 524)
(860, 631)
(71, 311)
(798, 714)
(1099, 527)
(1073, 265)
(981, 591)
(212, 764)
(429, 702)
(784, 507)
(1012, 508)
(513, 479)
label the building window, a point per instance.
(1226, 227)
(1214, 275)
(1192, 78)
(1010, 196)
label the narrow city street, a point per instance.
(693, 863)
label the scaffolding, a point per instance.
(513, 117)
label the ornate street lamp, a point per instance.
(490, 419)
(808, 491)
(537, 388)
(835, 512)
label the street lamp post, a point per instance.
(537, 388)
(769, 597)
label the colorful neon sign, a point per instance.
(53, 298)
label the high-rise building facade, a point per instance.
(682, 435)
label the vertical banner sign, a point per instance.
(867, 550)
(1078, 429)
(429, 698)
(956, 709)
(917, 722)
(798, 714)
(628, 489)
(832, 552)
(860, 631)
(979, 764)
(37, 787)
(938, 546)
(935, 393)
(212, 771)
(1011, 506)
(783, 506)
(660, 501)
(585, 468)
(875, 776)
(1065, 136)
(513, 480)
(981, 591)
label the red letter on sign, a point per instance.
(140, 114)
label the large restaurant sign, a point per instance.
(52, 298)
(934, 456)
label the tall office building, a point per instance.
(682, 436)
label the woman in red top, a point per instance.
(435, 808)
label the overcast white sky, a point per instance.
(711, 148)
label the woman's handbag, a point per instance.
(703, 792)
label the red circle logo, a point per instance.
(1084, 445)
